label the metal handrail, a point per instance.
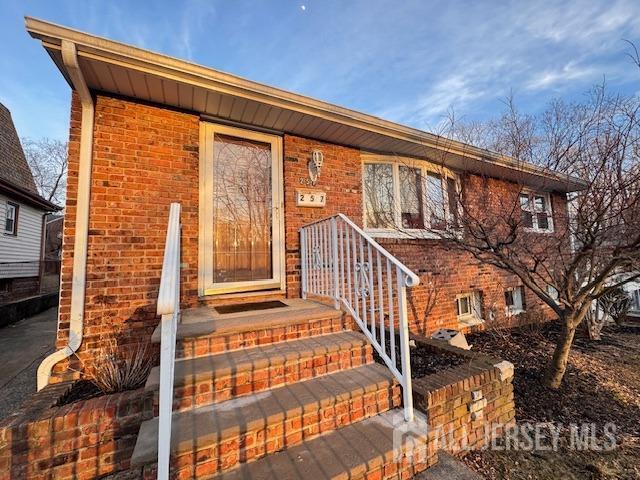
(342, 262)
(169, 308)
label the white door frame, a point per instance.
(206, 285)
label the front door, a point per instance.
(242, 243)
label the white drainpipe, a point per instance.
(70, 59)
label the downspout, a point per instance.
(70, 60)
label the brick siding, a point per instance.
(146, 157)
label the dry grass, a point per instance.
(121, 369)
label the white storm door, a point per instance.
(241, 226)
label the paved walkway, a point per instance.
(23, 345)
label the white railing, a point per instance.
(169, 309)
(342, 262)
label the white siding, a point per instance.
(25, 246)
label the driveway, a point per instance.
(23, 345)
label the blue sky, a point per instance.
(406, 61)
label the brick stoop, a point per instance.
(215, 378)
(204, 332)
(305, 400)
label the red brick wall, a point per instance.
(146, 157)
(340, 178)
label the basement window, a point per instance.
(469, 308)
(535, 211)
(635, 301)
(514, 300)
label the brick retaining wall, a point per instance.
(468, 405)
(81, 440)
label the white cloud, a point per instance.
(550, 78)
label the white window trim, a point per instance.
(549, 211)
(635, 300)
(425, 167)
(10, 205)
(513, 309)
(471, 318)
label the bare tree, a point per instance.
(597, 237)
(634, 55)
(48, 159)
(590, 236)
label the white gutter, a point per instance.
(70, 59)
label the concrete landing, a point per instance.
(202, 321)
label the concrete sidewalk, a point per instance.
(23, 345)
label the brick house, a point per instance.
(255, 170)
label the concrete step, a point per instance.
(376, 448)
(203, 331)
(218, 437)
(214, 378)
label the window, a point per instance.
(409, 196)
(536, 211)
(378, 188)
(11, 219)
(553, 292)
(514, 299)
(635, 300)
(469, 308)
(411, 205)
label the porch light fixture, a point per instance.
(315, 164)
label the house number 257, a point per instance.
(310, 198)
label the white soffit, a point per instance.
(115, 68)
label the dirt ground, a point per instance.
(600, 394)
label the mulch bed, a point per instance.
(601, 386)
(424, 361)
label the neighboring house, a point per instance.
(22, 213)
(252, 168)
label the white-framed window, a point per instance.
(11, 219)
(408, 195)
(535, 211)
(514, 300)
(469, 308)
(635, 300)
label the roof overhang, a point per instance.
(120, 69)
(27, 197)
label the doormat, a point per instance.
(249, 307)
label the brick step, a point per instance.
(203, 331)
(212, 439)
(215, 378)
(379, 447)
